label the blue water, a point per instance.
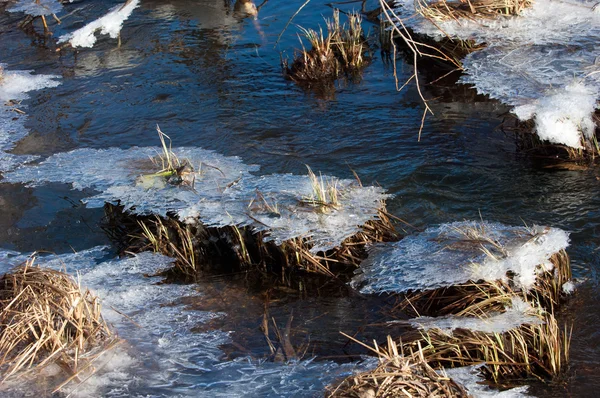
(213, 81)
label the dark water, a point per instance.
(214, 81)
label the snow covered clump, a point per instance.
(450, 254)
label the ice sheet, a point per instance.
(519, 313)
(543, 62)
(161, 356)
(109, 24)
(14, 86)
(37, 8)
(471, 379)
(444, 256)
(225, 192)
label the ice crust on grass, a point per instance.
(35, 9)
(109, 24)
(519, 313)
(472, 380)
(161, 356)
(14, 86)
(223, 190)
(543, 62)
(442, 256)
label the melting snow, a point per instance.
(109, 24)
(224, 193)
(519, 313)
(544, 62)
(444, 256)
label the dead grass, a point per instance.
(398, 376)
(198, 249)
(48, 318)
(540, 350)
(340, 50)
(456, 9)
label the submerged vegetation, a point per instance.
(49, 320)
(341, 50)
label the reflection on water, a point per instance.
(212, 79)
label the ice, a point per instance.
(14, 86)
(37, 8)
(221, 192)
(519, 313)
(161, 356)
(109, 24)
(471, 379)
(543, 63)
(443, 256)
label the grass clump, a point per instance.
(325, 193)
(46, 318)
(398, 376)
(340, 51)
(442, 10)
(540, 350)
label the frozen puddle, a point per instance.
(160, 356)
(452, 254)
(14, 86)
(544, 62)
(221, 192)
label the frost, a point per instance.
(109, 24)
(161, 356)
(444, 256)
(14, 86)
(221, 192)
(37, 8)
(543, 63)
(520, 313)
(471, 379)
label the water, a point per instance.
(214, 82)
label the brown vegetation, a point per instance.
(47, 318)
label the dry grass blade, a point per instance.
(398, 376)
(452, 9)
(47, 317)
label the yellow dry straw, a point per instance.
(444, 10)
(47, 317)
(398, 376)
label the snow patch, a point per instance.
(37, 8)
(109, 24)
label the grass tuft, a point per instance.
(48, 318)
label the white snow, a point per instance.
(223, 190)
(109, 24)
(544, 62)
(519, 313)
(443, 256)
